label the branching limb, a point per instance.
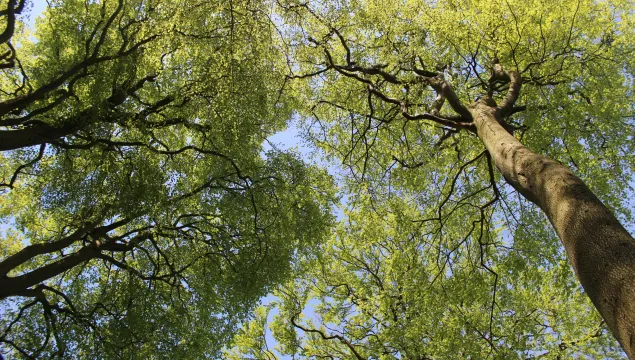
(23, 166)
(450, 122)
(33, 250)
(444, 88)
(10, 12)
(324, 336)
(498, 74)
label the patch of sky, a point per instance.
(289, 139)
(34, 9)
(292, 139)
(307, 312)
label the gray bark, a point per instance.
(601, 251)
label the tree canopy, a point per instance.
(437, 255)
(142, 216)
(144, 219)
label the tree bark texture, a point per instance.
(601, 251)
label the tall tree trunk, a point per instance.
(601, 251)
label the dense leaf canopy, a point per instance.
(436, 257)
(142, 216)
(144, 219)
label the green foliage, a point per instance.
(380, 285)
(436, 256)
(144, 219)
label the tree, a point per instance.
(376, 289)
(444, 251)
(142, 217)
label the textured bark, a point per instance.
(601, 251)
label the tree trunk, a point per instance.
(601, 251)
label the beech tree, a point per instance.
(143, 219)
(471, 133)
(141, 216)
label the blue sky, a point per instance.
(38, 7)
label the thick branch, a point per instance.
(442, 87)
(12, 285)
(450, 122)
(22, 101)
(41, 133)
(34, 250)
(10, 13)
(507, 106)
